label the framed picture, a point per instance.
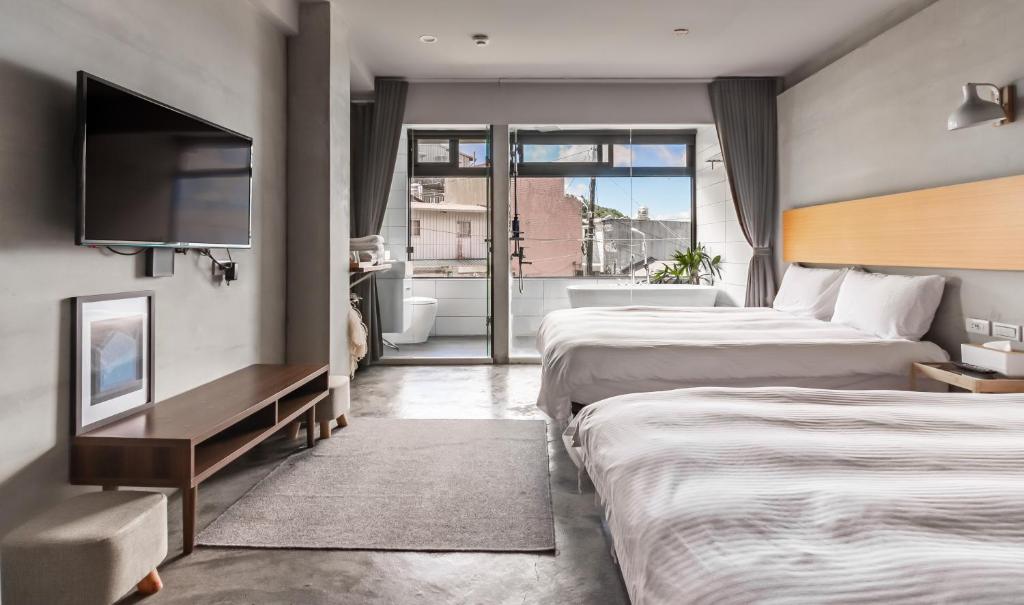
(113, 358)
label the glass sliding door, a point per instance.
(600, 214)
(442, 218)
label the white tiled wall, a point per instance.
(461, 304)
(717, 226)
(539, 297)
(396, 217)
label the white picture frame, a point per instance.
(113, 358)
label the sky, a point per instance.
(665, 197)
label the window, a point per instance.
(449, 201)
(602, 203)
(451, 153)
(622, 153)
(432, 151)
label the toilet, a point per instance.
(423, 311)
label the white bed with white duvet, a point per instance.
(829, 329)
(786, 495)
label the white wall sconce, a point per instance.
(974, 110)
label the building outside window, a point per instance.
(449, 196)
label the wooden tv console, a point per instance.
(184, 440)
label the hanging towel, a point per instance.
(356, 339)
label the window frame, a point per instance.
(416, 169)
(450, 168)
(606, 166)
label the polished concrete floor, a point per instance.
(581, 571)
(522, 347)
(442, 346)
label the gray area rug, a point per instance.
(400, 484)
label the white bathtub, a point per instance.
(651, 295)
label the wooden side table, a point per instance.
(949, 374)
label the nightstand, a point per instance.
(976, 383)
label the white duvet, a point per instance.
(589, 354)
(785, 495)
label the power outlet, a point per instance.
(978, 326)
(1007, 331)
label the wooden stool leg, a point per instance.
(293, 430)
(151, 584)
(342, 421)
(310, 427)
(325, 429)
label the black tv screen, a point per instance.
(151, 175)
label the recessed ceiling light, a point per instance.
(428, 39)
(680, 31)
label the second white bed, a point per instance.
(788, 496)
(589, 354)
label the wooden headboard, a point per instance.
(976, 225)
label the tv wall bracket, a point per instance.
(160, 262)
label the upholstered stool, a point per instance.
(91, 549)
(333, 407)
(336, 406)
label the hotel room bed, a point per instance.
(787, 495)
(589, 354)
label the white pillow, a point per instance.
(809, 292)
(889, 306)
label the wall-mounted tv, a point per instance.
(151, 175)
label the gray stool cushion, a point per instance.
(337, 403)
(93, 548)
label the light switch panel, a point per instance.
(1007, 331)
(978, 326)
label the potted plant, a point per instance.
(690, 266)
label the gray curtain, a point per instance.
(376, 130)
(744, 110)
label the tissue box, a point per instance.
(1008, 363)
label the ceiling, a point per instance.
(606, 39)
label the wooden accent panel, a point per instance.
(977, 225)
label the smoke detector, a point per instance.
(481, 39)
(680, 31)
(428, 39)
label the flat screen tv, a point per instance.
(152, 175)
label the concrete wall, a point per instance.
(318, 182)
(717, 226)
(224, 61)
(574, 103)
(874, 122)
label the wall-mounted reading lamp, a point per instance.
(974, 110)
